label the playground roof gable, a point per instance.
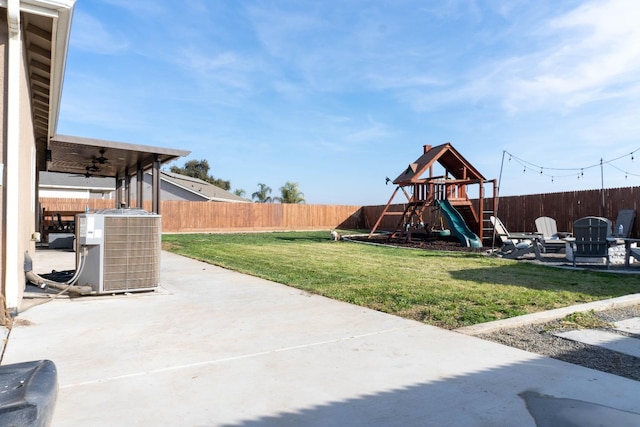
(456, 166)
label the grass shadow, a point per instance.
(304, 238)
(600, 284)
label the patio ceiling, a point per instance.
(95, 157)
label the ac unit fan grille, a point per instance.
(131, 253)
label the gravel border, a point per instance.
(538, 338)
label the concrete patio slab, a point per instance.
(219, 348)
(608, 340)
(629, 325)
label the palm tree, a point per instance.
(262, 195)
(290, 193)
(239, 192)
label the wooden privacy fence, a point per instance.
(199, 217)
(518, 213)
(219, 217)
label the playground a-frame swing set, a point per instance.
(467, 219)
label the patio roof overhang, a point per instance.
(97, 157)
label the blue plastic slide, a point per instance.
(457, 225)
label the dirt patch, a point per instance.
(22, 322)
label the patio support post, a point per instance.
(127, 187)
(118, 191)
(140, 187)
(602, 207)
(155, 185)
(481, 211)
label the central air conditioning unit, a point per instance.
(122, 250)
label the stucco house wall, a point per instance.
(3, 132)
(33, 45)
(26, 181)
(26, 219)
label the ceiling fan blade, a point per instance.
(102, 159)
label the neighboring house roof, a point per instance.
(445, 155)
(201, 188)
(73, 181)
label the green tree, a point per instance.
(200, 169)
(262, 195)
(290, 193)
(224, 184)
(239, 192)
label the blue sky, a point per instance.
(338, 95)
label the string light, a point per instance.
(624, 171)
(572, 171)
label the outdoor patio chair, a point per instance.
(626, 218)
(592, 239)
(512, 246)
(552, 239)
(622, 230)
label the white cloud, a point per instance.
(286, 34)
(138, 7)
(89, 34)
(374, 131)
(98, 102)
(448, 9)
(224, 77)
(561, 63)
(402, 79)
(345, 48)
(592, 51)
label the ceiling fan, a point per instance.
(93, 167)
(102, 159)
(90, 169)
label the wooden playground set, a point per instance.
(447, 194)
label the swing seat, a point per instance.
(441, 232)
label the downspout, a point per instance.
(12, 158)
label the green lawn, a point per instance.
(445, 289)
